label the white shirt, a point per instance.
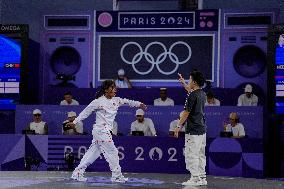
(114, 128)
(243, 100)
(121, 84)
(38, 127)
(147, 126)
(174, 124)
(167, 102)
(106, 110)
(78, 128)
(216, 103)
(74, 102)
(238, 130)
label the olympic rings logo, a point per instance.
(151, 59)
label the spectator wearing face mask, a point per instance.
(122, 81)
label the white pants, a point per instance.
(102, 143)
(194, 152)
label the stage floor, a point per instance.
(61, 180)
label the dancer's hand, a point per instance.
(176, 132)
(181, 79)
(71, 125)
(143, 106)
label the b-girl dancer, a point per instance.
(106, 106)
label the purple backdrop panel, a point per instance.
(160, 154)
(12, 150)
(156, 154)
(39, 144)
(235, 157)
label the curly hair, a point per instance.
(105, 85)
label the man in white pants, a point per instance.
(195, 130)
(106, 106)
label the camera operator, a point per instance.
(70, 160)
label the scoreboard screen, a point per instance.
(10, 63)
(13, 65)
(279, 74)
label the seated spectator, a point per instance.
(173, 126)
(235, 126)
(248, 99)
(163, 100)
(68, 100)
(211, 100)
(122, 81)
(114, 128)
(69, 130)
(38, 126)
(145, 125)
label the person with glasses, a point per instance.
(38, 126)
(235, 126)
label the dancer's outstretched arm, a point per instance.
(132, 103)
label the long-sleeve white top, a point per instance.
(106, 110)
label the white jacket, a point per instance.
(106, 110)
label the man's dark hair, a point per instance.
(105, 85)
(198, 78)
(68, 93)
(210, 94)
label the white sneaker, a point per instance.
(203, 180)
(120, 179)
(193, 181)
(77, 175)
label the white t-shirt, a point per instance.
(38, 127)
(78, 127)
(243, 100)
(238, 130)
(106, 110)
(216, 103)
(74, 102)
(147, 126)
(121, 84)
(167, 102)
(174, 124)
